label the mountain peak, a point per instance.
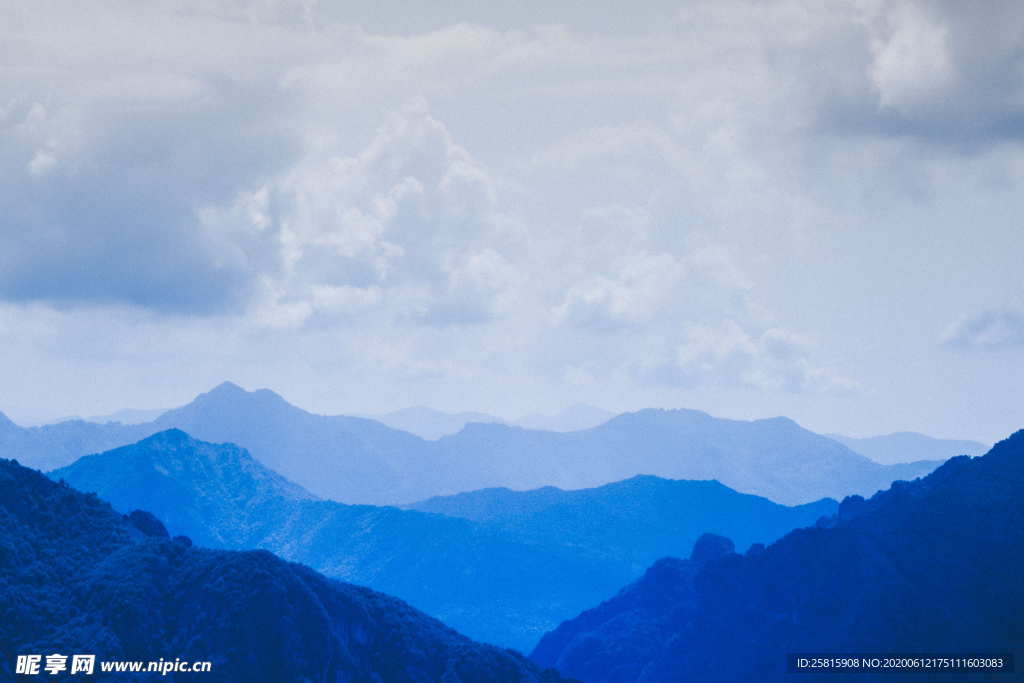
(781, 421)
(661, 416)
(172, 437)
(710, 547)
(226, 388)
(231, 394)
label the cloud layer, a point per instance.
(734, 202)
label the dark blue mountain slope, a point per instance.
(505, 581)
(637, 520)
(935, 565)
(76, 577)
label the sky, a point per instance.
(797, 208)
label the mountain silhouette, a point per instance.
(481, 580)
(572, 419)
(636, 520)
(50, 446)
(493, 579)
(80, 578)
(128, 416)
(351, 459)
(356, 460)
(902, 447)
(775, 458)
(20, 441)
(216, 494)
(929, 566)
(428, 423)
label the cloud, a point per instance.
(195, 192)
(912, 60)
(728, 353)
(942, 70)
(653, 201)
(631, 297)
(100, 197)
(620, 145)
(409, 225)
(991, 329)
(686, 318)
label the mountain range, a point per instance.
(632, 522)
(128, 416)
(902, 447)
(432, 424)
(930, 566)
(428, 423)
(775, 458)
(505, 577)
(572, 419)
(358, 460)
(78, 578)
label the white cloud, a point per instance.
(944, 68)
(728, 353)
(41, 162)
(409, 225)
(619, 145)
(991, 329)
(912, 59)
(630, 297)
(686, 318)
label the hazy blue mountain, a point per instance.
(357, 460)
(493, 579)
(932, 565)
(345, 458)
(349, 458)
(775, 458)
(902, 447)
(128, 416)
(18, 440)
(79, 578)
(430, 424)
(481, 580)
(571, 419)
(58, 444)
(635, 521)
(216, 494)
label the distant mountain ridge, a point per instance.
(639, 519)
(572, 419)
(79, 578)
(500, 582)
(209, 492)
(58, 444)
(775, 458)
(428, 423)
(928, 566)
(128, 416)
(432, 424)
(903, 447)
(357, 460)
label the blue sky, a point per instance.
(755, 209)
